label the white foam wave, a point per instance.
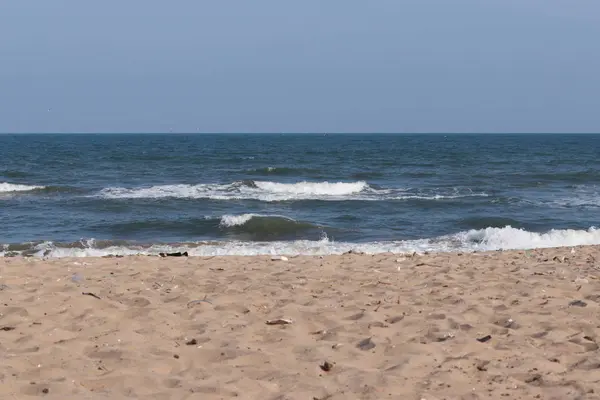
(275, 191)
(6, 187)
(235, 220)
(264, 191)
(512, 238)
(228, 221)
(474, 240)
(301, 189)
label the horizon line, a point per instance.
(297, 133)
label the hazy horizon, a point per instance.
(412, 66)
(308, 133)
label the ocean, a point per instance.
(287, 194)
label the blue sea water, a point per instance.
(89, 195)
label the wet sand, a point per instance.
(501, 325)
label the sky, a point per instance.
(302, 66)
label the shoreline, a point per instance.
(266, 251)
(495, 324)
(478, 240)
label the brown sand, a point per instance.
(417, 320)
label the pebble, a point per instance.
(326, 366)
(484, 339)
(577, 303)
(366, 344)
(279, 321)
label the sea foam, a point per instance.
(474, 240)
(228, 221)
(275, 191)
(6, 187)
(313, 188)
(253, 190)
(235, 220)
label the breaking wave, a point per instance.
(6, 187)
(9, 189)
(275, 191)
(266, 227)
(228, 221)
(473, 240)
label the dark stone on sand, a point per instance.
(7, 328)
(326, 366)
(366, 344)
(177, 254)
(192, 342)
(577, 303)
(484, 339)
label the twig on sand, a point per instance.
(194, 302)
(91, 294)
(428, 264)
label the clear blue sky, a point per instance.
(300, 66)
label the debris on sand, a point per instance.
(484, 339)
(91, 294)
(577, 303)
(279, 321)
(366, 344)
(176, 254)
(326, 366)
(194, 302)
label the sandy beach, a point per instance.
(501, 325)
